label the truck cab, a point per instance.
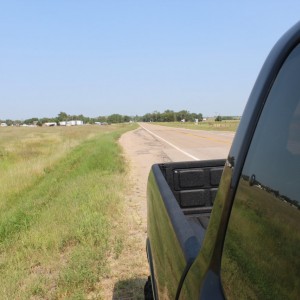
(247, 244)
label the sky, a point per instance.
(102, 57)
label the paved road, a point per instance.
(184, 144)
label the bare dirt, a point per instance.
(129, 271)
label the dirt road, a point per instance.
(143, 147)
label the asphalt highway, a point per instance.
(185, 144)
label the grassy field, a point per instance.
(59, 202)
(206, 125)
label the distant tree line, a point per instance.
(171, 116)
(156, 116)
(229, 118)
(226, 118)
(62, 116)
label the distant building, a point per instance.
(101, 123)
(71, 123)
(3, 124)
(50, 124)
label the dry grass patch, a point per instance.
(226, 125)
(55, 223)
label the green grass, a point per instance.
(61, 191)
(206, 125)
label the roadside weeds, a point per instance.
(128, 267)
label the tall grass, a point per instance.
(61, 189)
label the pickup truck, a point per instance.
(230, 228)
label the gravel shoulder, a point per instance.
(128, 273)
(141, 150)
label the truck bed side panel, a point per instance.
(172, 239)
(170, 244)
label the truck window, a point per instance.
(261, 250)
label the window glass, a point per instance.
(261, 250)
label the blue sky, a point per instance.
(133, 57)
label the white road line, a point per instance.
(172, 145)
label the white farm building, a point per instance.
(50, 124)
(71, 123)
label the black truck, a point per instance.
(230, 228)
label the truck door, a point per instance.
(261, 250)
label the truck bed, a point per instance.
(194, 185)
(180, 198)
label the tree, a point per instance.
(126, 119)
(183, 114)
(9, 122)
(168, 116)
(101, 119)
(218, 119)
(199, 117)
(62, 116)
(31, 121)
(147, 118)
(156, 116)
(115, 118)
